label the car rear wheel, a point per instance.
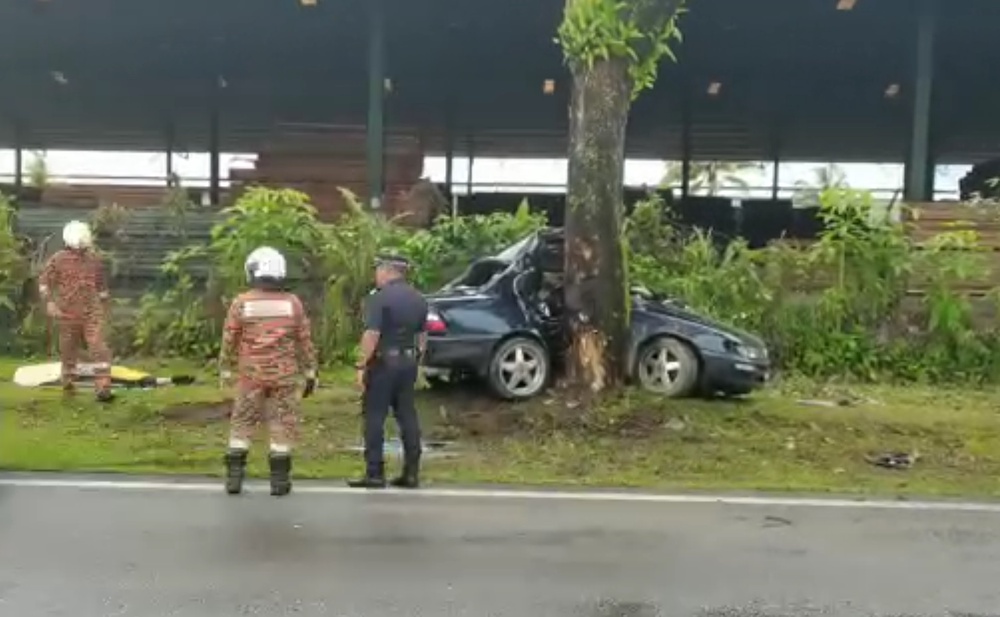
(668, 367)
(519, 369)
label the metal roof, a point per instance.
(798, 74)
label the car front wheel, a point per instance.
(669, 367)
(519, 369)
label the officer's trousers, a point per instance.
(391, 383)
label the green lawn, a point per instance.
(770, 442)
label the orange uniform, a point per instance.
(73, 280)
(268, 340)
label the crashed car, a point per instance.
(502, 322)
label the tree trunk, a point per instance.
(596, 296)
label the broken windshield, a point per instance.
(484, 271)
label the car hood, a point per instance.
(671, 309)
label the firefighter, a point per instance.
(268, 342)
(74, 289)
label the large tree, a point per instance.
(613, 49)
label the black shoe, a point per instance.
(281, 478)
(236, 464)
(410, 478)
(367, 482)
(105, 396)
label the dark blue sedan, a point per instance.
(501, 322)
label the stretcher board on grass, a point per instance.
(48, 374)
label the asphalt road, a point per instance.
(102, 552)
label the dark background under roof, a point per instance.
(797, 73)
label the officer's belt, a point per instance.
(397, 352)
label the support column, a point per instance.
(18, 160)
(376, 103)
(686, 139)
(449, 156)
(215, 194)
(472, 163)
(170, 153)
(919, 160)
(776, 158)
(449, 164)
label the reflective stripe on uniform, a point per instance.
(268, 309)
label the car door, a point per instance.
(546, 269)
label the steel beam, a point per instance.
(920, 157)
(376, 103)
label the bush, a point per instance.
(331, 266)
(838, 307)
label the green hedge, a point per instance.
(837, 308)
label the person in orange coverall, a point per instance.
(75, 292)
(268, 341)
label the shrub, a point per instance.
(837, 307)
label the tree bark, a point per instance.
(596, 296)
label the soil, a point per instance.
(198, 413)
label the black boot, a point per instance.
(410, 477)
(105, 396)
(236, 465)
(374, 478)
(281, 474)
(367, 482)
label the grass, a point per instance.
(770, 442)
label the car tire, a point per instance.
(669, 367)
(519, 369)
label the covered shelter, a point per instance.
(846, 80)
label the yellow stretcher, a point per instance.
(48, 374)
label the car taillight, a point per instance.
(435, 325)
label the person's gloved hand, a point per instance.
(311, 383)
(225, 379)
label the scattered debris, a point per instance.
(675, 424)
(897, 461)
(816, 403)
(431, 449)
(776, 521)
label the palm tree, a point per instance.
(710, 177)
(829, 176)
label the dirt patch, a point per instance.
(198, 413)
(468, 411)
(474, 413)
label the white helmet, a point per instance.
(76, 235)
(265, 263)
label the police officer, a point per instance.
(391, 347)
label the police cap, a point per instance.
(396, 262)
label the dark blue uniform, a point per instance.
(398, 312)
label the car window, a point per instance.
(512, 252)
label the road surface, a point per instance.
(86, 550)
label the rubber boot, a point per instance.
(105, 396)
(281, 474)
(236, 465)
